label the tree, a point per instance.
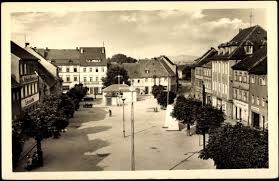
(162, 98)
(185, 111)
(208, 117)
(237, 147)
(157, 89)
(187, 72)
(112, 73)
(17, 141)
(121, 58)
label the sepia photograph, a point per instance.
(116, 90)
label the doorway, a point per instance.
(256, 120)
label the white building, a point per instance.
(86, 65)
(146, 73)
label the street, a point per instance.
(94, 142)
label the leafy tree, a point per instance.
(17, 141)
(157, 89)
(208, 117)
(185, 110)
(187, 72)
(162, 98)
(121, 58)
(112, 73)
(237, 147)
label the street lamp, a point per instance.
(123, 99)
(132, 134)
(118, 76)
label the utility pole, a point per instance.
(123, 99)
(132, 134)
(251, 16)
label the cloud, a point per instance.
(137, 33)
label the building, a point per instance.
(16, 99)
(244, 44)
(241, 85)
(149, 72)
(23, 71)
(113, 94)
(49, 80)
(258, 94)
(86, 65)
(203, 76)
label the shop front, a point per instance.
(240, 111)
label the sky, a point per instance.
(139, 34)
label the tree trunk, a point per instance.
(188, 129)
(203, 133)
(39, 152)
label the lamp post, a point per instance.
(132, 134)
(123, 99)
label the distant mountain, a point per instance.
(182, 59)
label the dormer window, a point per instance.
(146, 71)
(248, 49)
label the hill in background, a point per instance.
(182, 59)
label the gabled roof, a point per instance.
(260, 68)
(21, 52)
(250, 36)
(168, 69)
(155, 67)
(90, 53)
(46, 76)
(15, 84)
(117, 87)
(75, 57)
(249, 62)
(205, 58)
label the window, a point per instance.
(146, 79)
(21, 69)
(67, 79)
(234, 93)
(25, 69)
(97, 70)
(59, 69)
(258, 101)
(26, 90)
(263, 102)
(103, 69)
(235, 75)
(252, 79)
(138, 81)
(90, 69)
(245, 77)
(97, 79)
(248, 49)
(262, 81)
(17, 95)
(29, 89)
(84, 79)
(36, 87)
(67, 69)
(14, 97)
(240, 77)
(84, 69)
(146, 71)
(32, 88)
(225, 87)
(75, 69)
(252, 99)
(75, 78)
(22, 93)
(91, 79)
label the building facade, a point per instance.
(23, 70)
(86, 65)
(146, 73)
(258, 109)
(241, 85)
(203, 76)
(241, 46)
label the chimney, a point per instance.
(81, 50)
(240, 29)
(26, 44)
(77, 48)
